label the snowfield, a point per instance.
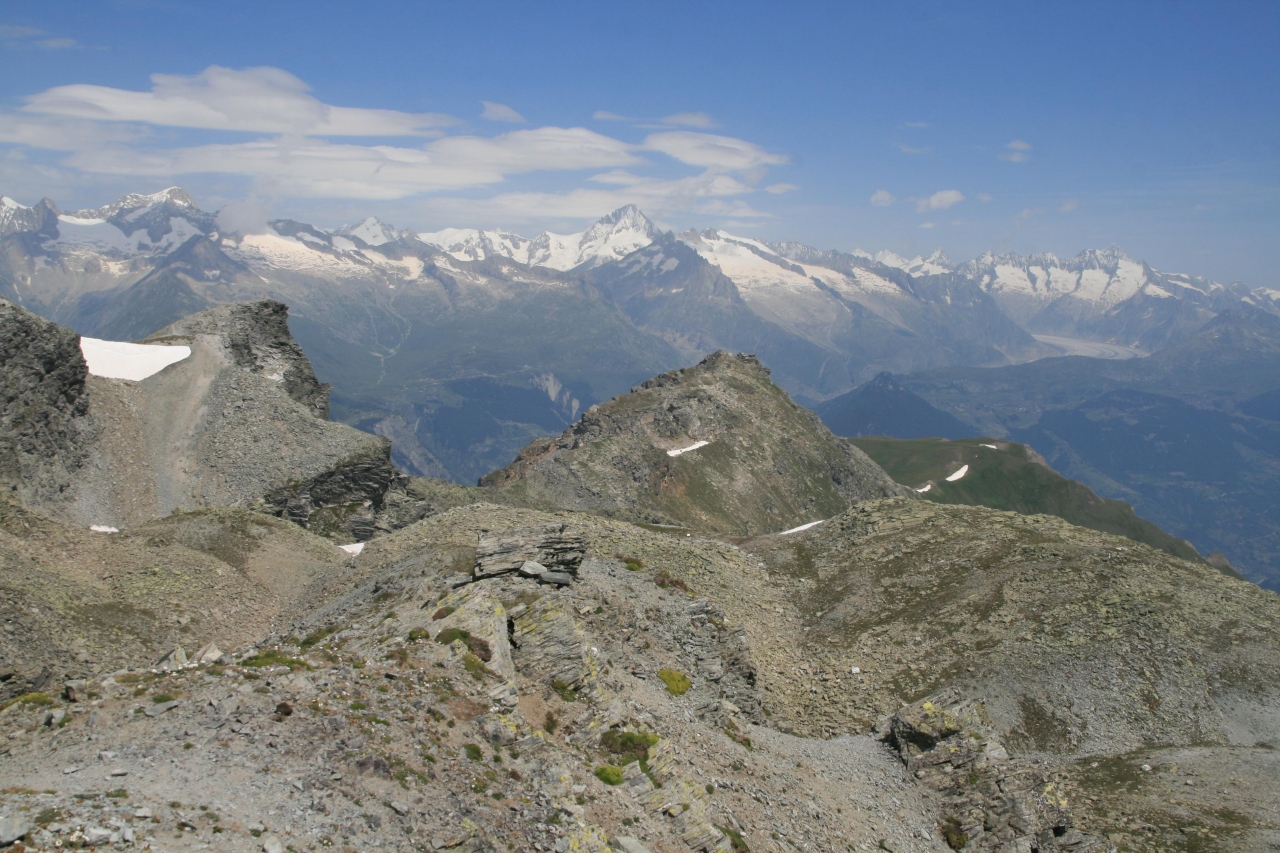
(121, 360)
(353, 549)
(964, 469)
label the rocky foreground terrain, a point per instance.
(477, 675)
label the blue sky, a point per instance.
(968, 127)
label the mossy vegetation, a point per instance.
(609, 774)
(677, 682)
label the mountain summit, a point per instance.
(714, 447)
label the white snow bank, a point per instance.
(102, 528)
(693, 446)
(927, 487)
(964, 469)
(801, 527)
(120, 360)
(353, 549)
(992, 446)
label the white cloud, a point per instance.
(107, 136)
(928, 224)
(605, 115)
(1027, 213)
(720, 153)
(1069, 205)
(699, 120)
(501, 112)
(1018, 152)
(940, 200)
(906, 149)
(985, 197)
(882, 198)
(263, 100)
(59, 43)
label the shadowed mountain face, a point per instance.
(884, 407)
(713, 447)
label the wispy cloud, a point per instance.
(1018, 152)
(928, 224)
(1028, 213)
(31, 35)
(501, 112)
(605, 115)
(263, 100)
(698, 120)
(907, 149)
(985, 197)
(1069, 205)
(882, 198)
(941, 200)
(303, 148)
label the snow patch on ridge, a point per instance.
(801, 527)
(964, 469)
(121, 360)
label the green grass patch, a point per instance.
(677, 682)
(609, 774)
(274, 657)
(40, 699)
(474, 752)
(628, 746)
(442, 612)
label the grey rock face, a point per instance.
(550, 546)
(258, 339)
(44, 412)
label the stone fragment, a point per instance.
(73, 690)
(209, 653)
(13, 828)
(175, 659)
(530, 569)
(557, 578)
(399, 808)
(157, 710)
(271, 844)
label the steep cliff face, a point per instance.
(257, 338)
(716, 447)
(44, 411)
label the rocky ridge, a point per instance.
(715, 447)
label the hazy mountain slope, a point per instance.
(715, 447)
(1164, 433)
(884, 407)
(1007, 476)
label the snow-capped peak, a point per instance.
(373, 231)
(611, 237)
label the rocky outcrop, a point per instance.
(551, 546)
(257, 338)
(44, 411)
(346, 498)
(716, 447)
(992, 802)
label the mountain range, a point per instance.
(461, 345)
